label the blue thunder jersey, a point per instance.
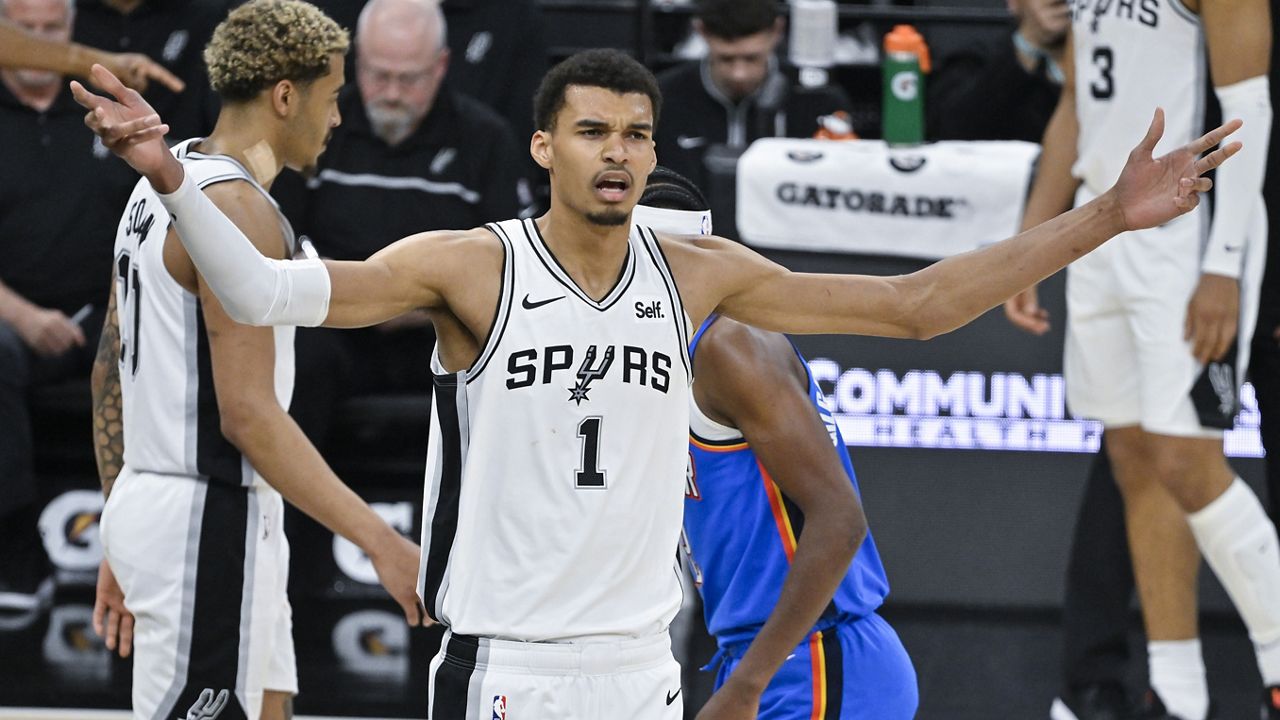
(741, 530)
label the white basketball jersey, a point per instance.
(555, 474)
(1130, 57)
(171, 419)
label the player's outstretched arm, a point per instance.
(753, 380)
(952, 292)
(253, 289)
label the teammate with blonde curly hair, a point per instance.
(192, 527)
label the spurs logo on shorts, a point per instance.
(208, 706)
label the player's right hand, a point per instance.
(729, 703)
(1212, 317)
(128, 126)
(396, 563)
(49, 333)
(112, 621)
(1024, 311)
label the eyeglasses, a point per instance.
(382, 78)
(407, 80)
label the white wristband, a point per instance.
(253, 289)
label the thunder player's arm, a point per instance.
(22, 49)
(753, 380)
(243, 364)
(1238, 36)
(1054, 188)
(108, 415)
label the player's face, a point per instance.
(739, 67)
(49, 19)
(317, 116)
(599, 152)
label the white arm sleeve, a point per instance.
(1238, 184)
(254, 289)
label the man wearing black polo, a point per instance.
(739, 93)
(174, 33)
(411, 155)
(60, 197)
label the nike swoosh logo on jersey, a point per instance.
(671, 697)
(531, 304)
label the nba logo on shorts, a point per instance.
(499, 707)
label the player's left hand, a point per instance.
(1152, 191)
(1212, 316)
(112, 621)
(729, 703)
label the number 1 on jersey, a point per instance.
(589, 474)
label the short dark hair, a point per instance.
(733, 19)
(609, 69)
(669, 190)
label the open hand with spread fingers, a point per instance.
(1152, 191)
(130, 128)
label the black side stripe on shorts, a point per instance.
(833, 661)
(216, 458)
(214, 659)
(448, 480)
(453, 679)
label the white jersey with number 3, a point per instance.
(555, 474)
(171, 420)
(1132, 56)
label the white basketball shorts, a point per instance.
(487, 679)
(204, 569)
(1126, 362)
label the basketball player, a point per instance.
(772, 523)
(192, 526)
(559, 441)
(1152, 320)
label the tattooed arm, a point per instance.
(108, 419)
(112, 620)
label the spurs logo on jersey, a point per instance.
(639, 367)
(171, 420)
(1146, 12)
(556, 476)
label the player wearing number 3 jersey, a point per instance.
(556, 481)
(1153, 319)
